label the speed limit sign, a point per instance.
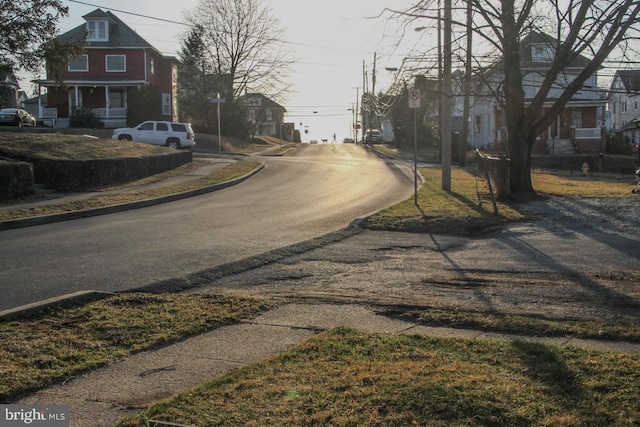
(414, 98)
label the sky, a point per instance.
(331, 40)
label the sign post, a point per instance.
(414, 104)
(219, 101)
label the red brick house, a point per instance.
(266, 117)
(116, 60)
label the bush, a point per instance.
(84, 118)
(616, 144)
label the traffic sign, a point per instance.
(414, 98)
(218, 100)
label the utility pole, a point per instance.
(364, 94)
(440, 74)
(466, 124)
(357, 110)
(373, 77)
(446, 100)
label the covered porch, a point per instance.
(107, 101)
(578, 129)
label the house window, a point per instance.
(635, 104)
(166, 104)
(153, 66)
(252, 115)
(116, 63)
(624, 106)
(98, 31)
(478, 125)
(269, 115)
(541, 52)
(80, 64)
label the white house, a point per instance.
(581, 125)
(624, 104)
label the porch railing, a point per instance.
(588, 133)
(48, 113)
(114, 113)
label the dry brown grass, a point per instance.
(349, 378)
(73, 147)
(97, 333)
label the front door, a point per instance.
(75, 99)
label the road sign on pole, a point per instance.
(414, 98)
(414, 104)
(219, 101)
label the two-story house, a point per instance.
(265, 116)
(116, 60)
(624, 104)
(9, 89)
(579, 128)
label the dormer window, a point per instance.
(98, 31)
(542, 52)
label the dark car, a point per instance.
(372, 136)
(16, 117)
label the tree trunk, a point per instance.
(520, 166)
(518, 130)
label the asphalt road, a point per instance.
(314, 190)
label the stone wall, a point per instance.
(83, 175)
(16, 179)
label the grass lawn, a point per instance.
(348, 378)
(345, 377)
(90, 336)
(468, 209)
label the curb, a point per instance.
(85, 213)
(179, 284)
(67, 300)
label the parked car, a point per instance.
(16, 117)
(373, 135)
(170, 134)
(347, 141)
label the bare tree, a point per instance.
(25, 29)
(591, 29)
(243, 40)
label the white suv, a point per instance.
(171, 134)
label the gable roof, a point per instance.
(120, 34)
(527, 61)
(266, 102)
(630, 79)
(537, 38)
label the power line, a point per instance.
(169, 21)
(132, 13)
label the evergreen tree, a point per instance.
(145, 103)
(194, 89)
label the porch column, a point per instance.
(40, 112)
(106, 101)
(76, 94)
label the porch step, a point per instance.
(62, 123)
(40, 190)
(560, 146)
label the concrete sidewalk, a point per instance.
(102, 397)
(58, 198)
